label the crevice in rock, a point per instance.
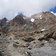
(1, 54)
(28, 39)
(29, 54)
(47, 37)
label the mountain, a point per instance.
(44, 19)
(28, 36)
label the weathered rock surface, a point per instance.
(33, 36)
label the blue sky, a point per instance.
(53, 9)
(10, 8)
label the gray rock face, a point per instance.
(34, 36)
(49, 49)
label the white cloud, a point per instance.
(9, 8)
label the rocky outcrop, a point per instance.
(29, 36)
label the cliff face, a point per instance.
(33, 36)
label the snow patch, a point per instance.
(42, 29)
(32, 19)
(53, 13)
(7, 21)
(40, 16)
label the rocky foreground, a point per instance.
(28, 36)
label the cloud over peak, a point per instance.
(10, 8)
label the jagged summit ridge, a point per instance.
(28, 36)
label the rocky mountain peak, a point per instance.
(29, 36)
(3, 22)
(19, 19)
